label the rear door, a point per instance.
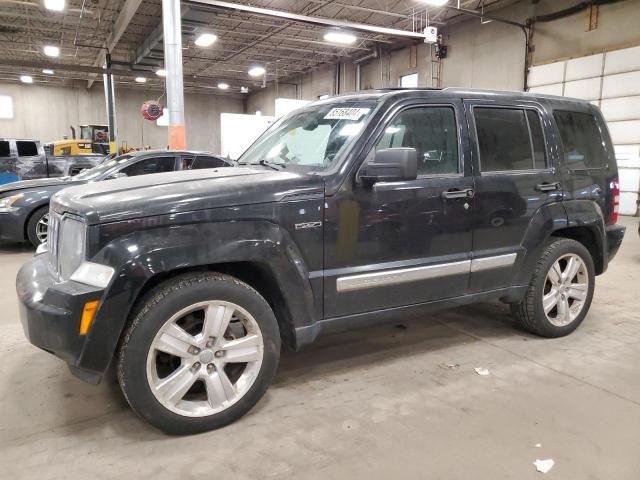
(515, 174)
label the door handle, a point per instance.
(547, 187)
(458, 193)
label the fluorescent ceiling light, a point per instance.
(141, 80)
(343, 38)
(57, 5)
(51, 51)
(48, 71)
(436, 3)
(206, 40)
(26, 79)
(223, 86)
(257, 71)
(161, 72)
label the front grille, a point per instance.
(53, 233)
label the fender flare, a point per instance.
(142, 255)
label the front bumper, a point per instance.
(50, 313)
(615, 234)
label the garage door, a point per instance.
(610, 80)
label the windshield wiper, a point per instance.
(274, 166)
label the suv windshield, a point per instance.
(99, 170)
(312, 138)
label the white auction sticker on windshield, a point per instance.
(346, 113)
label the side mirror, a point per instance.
(391, 165)
(116, 175)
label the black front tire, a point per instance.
(151, 313)
(530, 312)
(32, 224)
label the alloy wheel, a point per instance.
(205, 358)
(565, 290)
(42, 228)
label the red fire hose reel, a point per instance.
(151, 110)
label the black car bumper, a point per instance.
(50, 313)
(615, 234)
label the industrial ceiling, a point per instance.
(131, 30)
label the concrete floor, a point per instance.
(377, 403)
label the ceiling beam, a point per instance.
(331, 22)
(127, 12)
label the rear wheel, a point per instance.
(560, 291)
(199, 354)
(38, 226)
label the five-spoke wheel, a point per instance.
(205, 358)
(560, 291)
(565, 290)
(199, 353)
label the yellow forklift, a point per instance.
(93, 139)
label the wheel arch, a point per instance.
(257, 275)
(29, 216)
(259, 253)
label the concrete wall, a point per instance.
(489, 55)
(45, 113)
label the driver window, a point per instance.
(432, 131)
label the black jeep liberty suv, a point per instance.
(351, 210)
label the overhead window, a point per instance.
(6, 107)
(27, 149)
(432, 132)
(409, 81)
(581, 139)
(509, 139)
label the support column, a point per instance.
(172, 26)
(110, 99)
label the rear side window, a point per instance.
(509, 139)
(208, 162)
(5, 151)
(432, 131)
(27, 149)
(581, 139)
(150, 165)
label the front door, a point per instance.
(516, 175)
(403, 243)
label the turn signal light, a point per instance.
(87, 316)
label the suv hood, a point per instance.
(174, 192)
(39, 183)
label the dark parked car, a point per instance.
(348, 211)
(24, 206)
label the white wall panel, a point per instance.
(546, 74)
(629, 179)
(584, 67)
(624, 108)
(622, 60)
(588, 89)
(628, 204)
(625, 133)
(628, 155)
(555, 89)
(621, 85)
